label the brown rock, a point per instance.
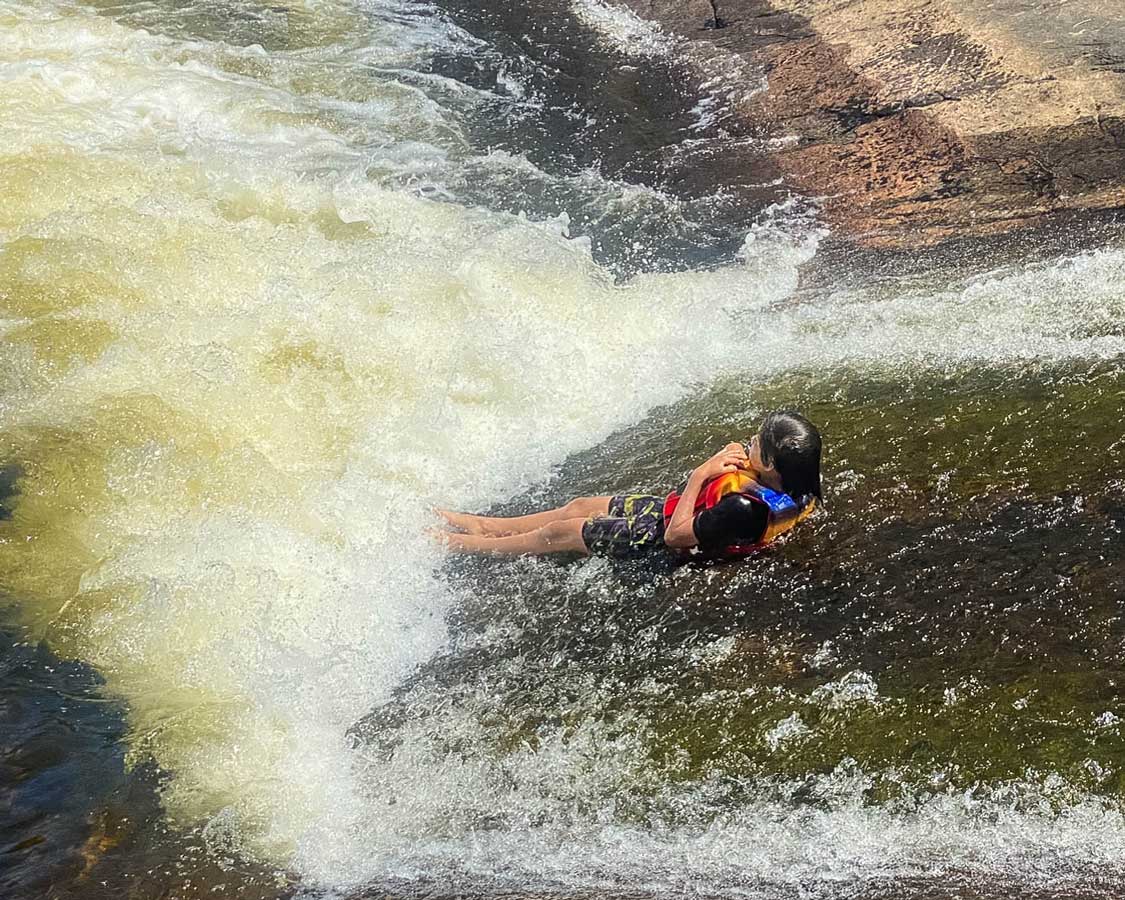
(920, 120)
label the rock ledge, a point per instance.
(917, 121)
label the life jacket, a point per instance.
(783, 511)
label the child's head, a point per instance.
(791, 444)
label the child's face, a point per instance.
(754, 455)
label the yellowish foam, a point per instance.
(234, 389)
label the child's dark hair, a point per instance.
(791, 444)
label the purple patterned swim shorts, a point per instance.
(633, 526)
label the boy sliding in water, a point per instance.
(735, 502)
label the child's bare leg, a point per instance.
(578, 508)
(560, 536)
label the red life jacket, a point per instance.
(783, 511)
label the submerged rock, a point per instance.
(921, 120)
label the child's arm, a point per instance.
(680, 532)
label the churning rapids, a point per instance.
(275, 278)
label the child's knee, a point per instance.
(584, 507)
(563, 534)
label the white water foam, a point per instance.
(623, 29)
(726, 80)
(293, 365)
(512, 820)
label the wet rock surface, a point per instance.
(921, 121)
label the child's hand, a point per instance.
(729, 459)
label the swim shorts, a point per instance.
(633, 525)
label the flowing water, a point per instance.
(275, 279)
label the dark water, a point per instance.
(632, 121)
(78, 823)
(950, 628)
(939, 652)
(983, 595)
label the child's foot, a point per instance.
(450, 540)
(438, 534)
(458, 521)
